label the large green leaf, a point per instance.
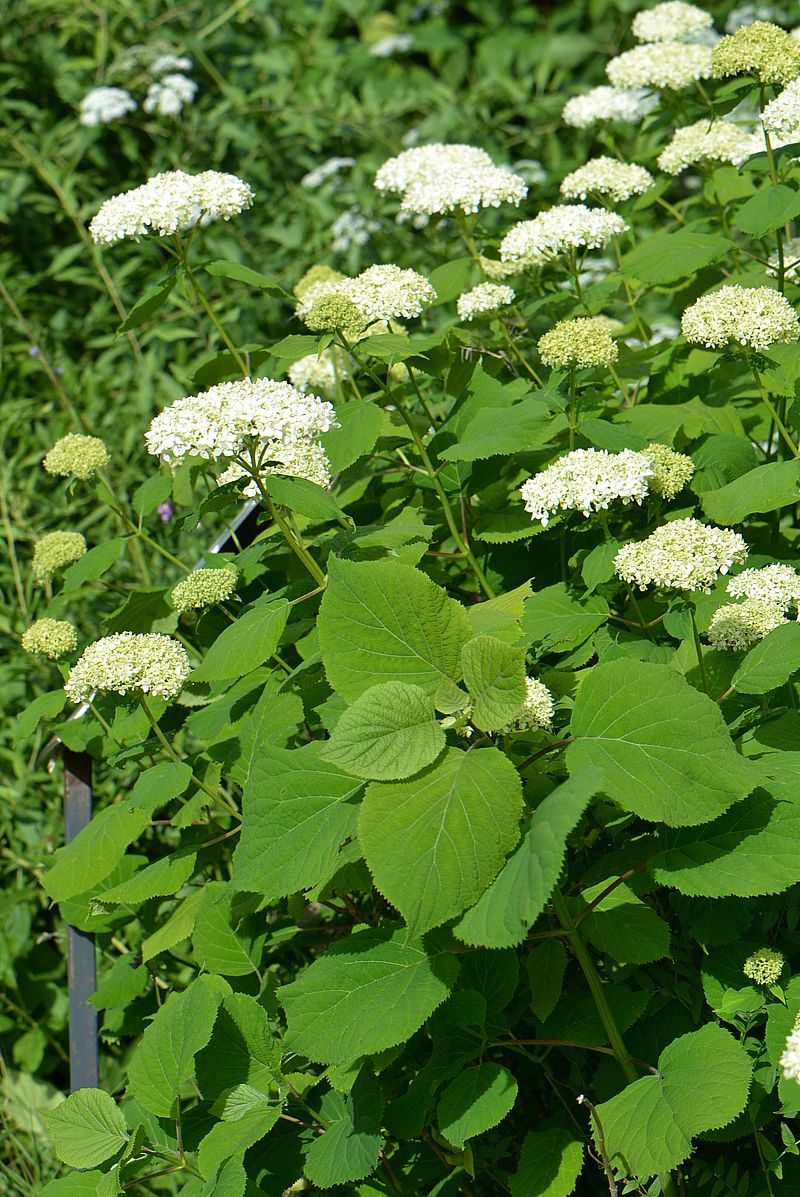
(666, 257)
(771, 662)
(546, 964)
(228, 1140)
(500, 432)
(177, 927)
(380, 621)
(475, 1102)
(549, 1164)
(433, 844)
(625, 927)
(368, 992)
(87, 1128)
(246, 644)
(766, 488)
(350, 1147)
(298, 809)
(164, 1057)
(218, 946)
(774, 205)
(494, 674)
(557, 622)
(95, 852)
(663, 746)
(159, 879)
(703, 1082)
(242, 1050)
(359, 426)
(389, 732)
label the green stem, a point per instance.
(573, 408)
(635, 604)
(183, 258)
(765, 399)
(294, 543)
(173, 755)
(699, 650)
(420, 396)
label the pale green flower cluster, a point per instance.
(671, 470)
(483, 299)
(753, 317)
(583, 342)
(77, 456)
(766, 596)
(668, 66)
(203, 588)
(672, 21)
(764, 966)
(681, 555)
(316, 274)
(760, 49)
(705, 142)
(587, 480)
(607, 177)
(537, 710)
(53, 638)
(170, 203)
(129, 662)
(55, 551)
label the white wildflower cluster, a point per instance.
(558, 230)
(705, 142)
(102, 105)
(385, 292)
(583, 342)
(671, 470)
(485, 298)
(789, 1062)
(537, 710)
(621, 105)
(319, 372)
(746, 14)
(754, 317)
(147, 663)
(76, 456)
(608, 177)
(587, 480)
(394, 43)
(298, 459)
(681, 555)
(52, 638)
(204, 588)
(493, 268)
(766, 597)
(672, 21)
(168, 96)
(54, 552)
(668, 66)
(438, 178)
(166, 64)
(325, 171)
(351, 228)
(531, 170)
(782, 115)
(169, 203)
(764, 966)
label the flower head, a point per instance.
(53, 638)
(76, 456)
(165, 64)
(169, 203)
(764, 966)
(485, 298)
(558, 230)
(385, 292)
(703, 143)
(55, 551)
(319, 371)
(297, 459)
(326, 170)
(102, 105)
(779, 584)
(147, 663)
(314, 275)
(672, 21)
(760, 49)
(606, 176)
(789, 1062)
(438, 178)
(622, 105)
(754, 317)
(537, 710)
(782, 115)
(168, 96)
(204, 588)
(668, 66)
(681, 555)
(587, 480)
(738, 626)
(583, 342)
(671, 470)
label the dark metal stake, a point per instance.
(81, 957)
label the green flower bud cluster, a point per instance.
(583, 342)
(764, 966)
(671, 470)
(314, 275)
(53, 638)
(55, 551)
(76, 456)
(760, 49)
(203, 588)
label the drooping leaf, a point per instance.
(46, 706)
(161, 878)
(303, 496)
(766, 488)
(95, 852)
(549, 1165)
(87, 1129)
(389, 732)
(475, 1102)
(771, 662)
(242, 1051)
(665, 257)
(360, 425)
(175, 929)
(500, 432)
(546, 965)
(247, 643)
(219, 948)
(92, 565)
(228, 1140)
(149, 304)
(494, 674)
(245, 274)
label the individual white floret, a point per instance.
(681, 555)
(587, 480)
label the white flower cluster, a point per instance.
(299, 459)
(384, 292)
(668, 66)
(789, 1062)
(319, 371)
(782, 115)
(681, 555)
(486, 297)
(704, 142)
(102, 105)
(587, 480)
(395, 43)
(777, 584)
(672, 21)
(791, 260)
(538, 708)
(168, 96)
(557, 230)
(438, 178)
(172, 202)
(766, 596)
(606, 176)
(326, 170)
(165, 64)
(624, 105)
(754, 317)
(747, 14)
(148, 663)
(351, 228)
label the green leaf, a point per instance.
(95, 852)
(230, 1181)
(218, 947)
(389, 732)
(149, 304)
(228, 1139)
(475, 1102)
(549, 1164)
(502, 432)
(380, 621)
(771, 662)
(92, 565)
(434, 844)
(703, 1082)
(164, 1057)
(77, 1184)
(397, 347)
(509, 908)
(161, 783)
(368, 992)
(87, 1129)
(46, 706)
(663, 746)
(242, 1050)
(247, 643)
(163, 877)
(306, 498)
(494, 674)
(557, 622)
(719, 460)
(153, 490)
(274, 719)
(298, 809)
(450, 279)
(546, 964)
(666, 257)
(500, 616)
(350, 1147)
(766, 488)
(245, 274)
(360, 426)
(625, 927)
(774, 205)
(178, 927)
(292, 348)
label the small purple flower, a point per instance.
(165, 511)
(35, 351)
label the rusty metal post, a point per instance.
(81, 956)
